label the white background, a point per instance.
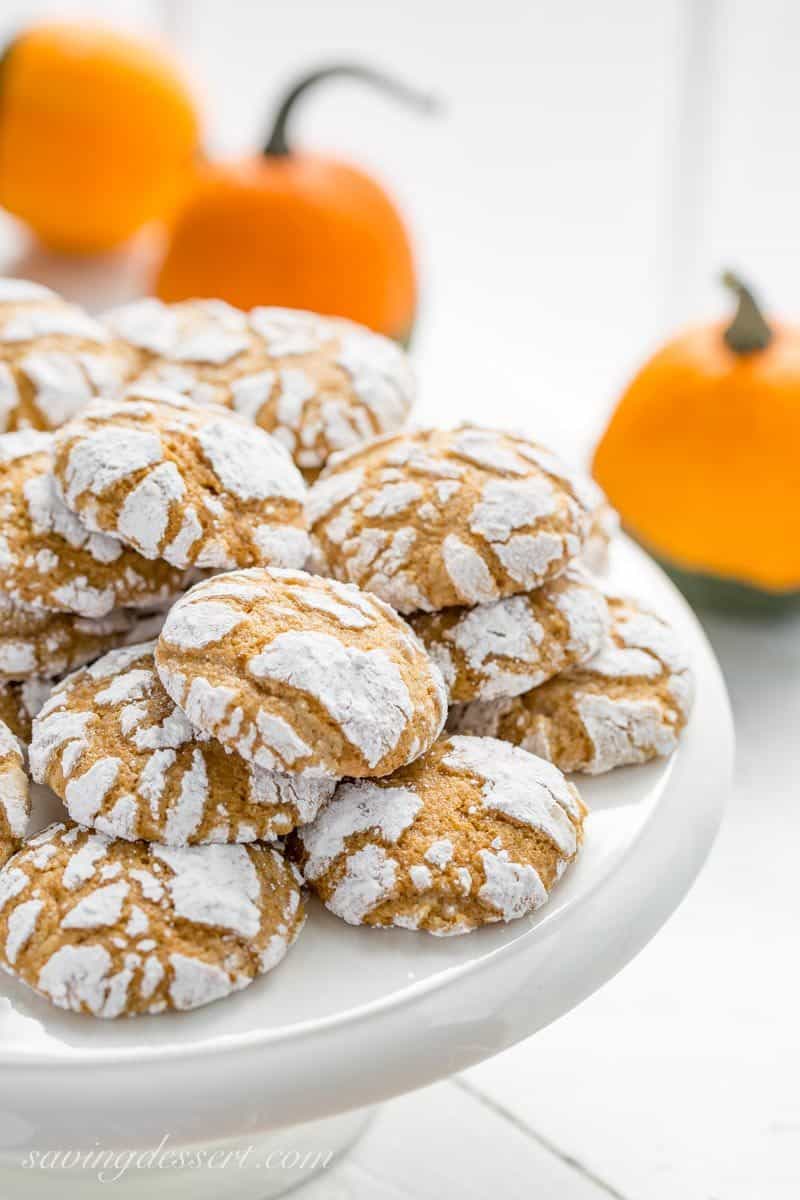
(596, 165)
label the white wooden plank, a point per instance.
(442, 1142)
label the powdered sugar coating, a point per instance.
(176, 481)
(53, 358)
(433, 519)
(35, 642)
(301, 674)
(517, 643)
(474, 831)
(625, 705)
(49, 559)
(319, 384)
(15, 805)
(139, 928)
(127, 762)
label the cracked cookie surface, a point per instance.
(474, 832)
(437, 518)
(15, 803)
(53, 357)
(126, 761)
(319, 384)
(301, 674)
(112, 928)
(626, 705)
(192, 485)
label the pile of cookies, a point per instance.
(237, 685)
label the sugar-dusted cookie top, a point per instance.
(509, 646)
(112, 928)
(177, 481)
(15, 804)
(53, 357)
(319, 384)
(475, 831)
(301, 674)
(625, 705)
(603, 527)
(437, 518)
(126, 761)
(34, 641)
(48, 558)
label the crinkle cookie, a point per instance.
(113, 746)
(20, 701)
(15, 805)
(626, 705)
(34, 641)
(511, 645)
(194, 486)
(301, 674)
(53, 357)
(437, 518)
(113, 928)
(318, 384)
(49, 559)
(473, 832)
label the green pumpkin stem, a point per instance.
(278, 144)
(748, 332)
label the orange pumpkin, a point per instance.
(297, 229)
(98, 134)
(701, 456)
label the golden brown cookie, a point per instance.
(319, 384)
(49, 559)
(626, 705)
(434, 518)
(511, 645)
(603, 528)
(475, 831)
(113, 928)
(192, 485)
(34, 641)
(53, 357)
(126, 761)
(15, 804)
(301, 674)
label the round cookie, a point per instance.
(125, 761)
(438, 518)
(475, 831)
(626, 705)
(49, 559)
(301, 674)
(511, 645)
(34, 641)
(112, 928)
(15, 804)
(195, 486)
(319, 384)
(20, 702)
(53, 357)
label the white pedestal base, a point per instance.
(256, 1167)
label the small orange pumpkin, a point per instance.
(98, 134)
(298, 230)
(701, 456)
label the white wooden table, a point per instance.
(596, 167)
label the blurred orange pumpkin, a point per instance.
(98, 134)
(701, 457)
(297, 229)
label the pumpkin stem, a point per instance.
(278, 145)
(748, 331)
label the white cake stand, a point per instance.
(279, 1079)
